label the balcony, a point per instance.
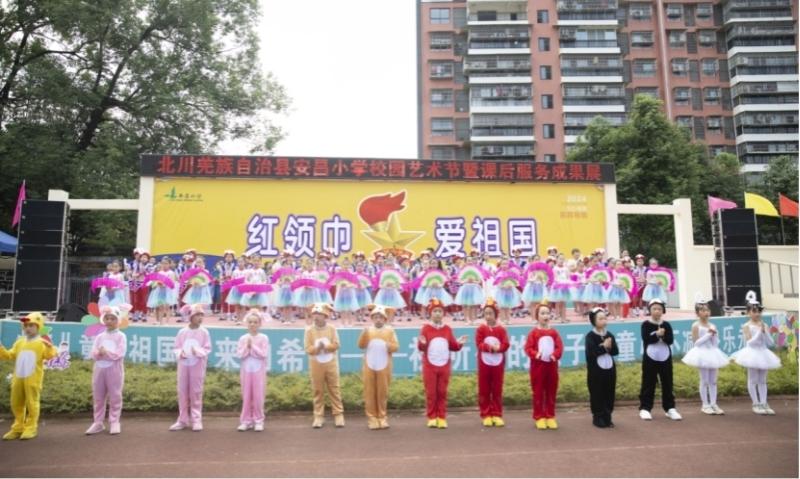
(519, 17)
(754, 10)
(522, 152)
(497, 66)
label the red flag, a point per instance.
(787, 206)
(18, 209)
(715, 204)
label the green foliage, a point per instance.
(781, 177)
(152, 388)
(85, 87)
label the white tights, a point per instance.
(708, 386)
(757, 385)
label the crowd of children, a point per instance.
(285, 287)
(435, 341)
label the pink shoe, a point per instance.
(95, 428)
(178, 426)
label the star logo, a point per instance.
(380, 213)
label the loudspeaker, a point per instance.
(71, 312)
(5, 299)
(735, 268)
(741, 273)
(716, 308)
(40, 276)
(735, 295)
(738, 254)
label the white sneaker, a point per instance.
(197, 427)
(177, 426)
(717, 410)
(644, 414)
(259, 427)
(673, 414)
(243, 427)
(115, 428)
(759, 409)
(768, 410)
(95, 428)
(707, 410)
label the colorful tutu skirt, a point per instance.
(364, 297)
(594, 293)
(305, 296)
(424, 296)
(576, 291)
(161, 296)
(111, 297)
(254, 300)
(559, 293)
(507, 297)
(617, 295)
(706, 357)
(346, 300)
(234, 296)
(653, 291)
(756, 358)
(283, 297)
(390, 297)
(198, 294)
(533, 293)
(470, 294)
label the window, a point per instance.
(550, 158)
(684, 121)
(707, 38)
(644, 68)
(641, 39)
(548, 130)
(704, 10)
(441, 126)
(440, 16)
(680, 66)
(709, 66)
(677, 38)
(442, 69)
(674, 11)
(715, 150)
(714, 124)
(542, 16)
(547, 102)
(681, 96)
(442, 153)
(545, 72)
(544, 44)
(441, 40)
(711, 95)
(640, 11)
(441, 98)
(650, 91)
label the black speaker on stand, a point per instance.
(734, 270)
(40, 272)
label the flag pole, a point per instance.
(783, 235)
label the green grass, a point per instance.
(152, 388)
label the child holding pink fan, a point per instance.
(538, 276)
(506, 293)
(595, 292)
(234, 297)
(617, 292)
(559, 293)
(198, 279)
(654, 289)
(432, 286)
(346, 302)
(162, 290)
(390, 281)
(470, 294)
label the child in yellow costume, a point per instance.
(380, 341)
(30, 353)
(321, 344)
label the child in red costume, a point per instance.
(544, 347)
(491, 340)
(436, 340)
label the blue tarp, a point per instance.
(8, 244)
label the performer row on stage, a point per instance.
(289, 286)
(436, 341)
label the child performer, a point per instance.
(321, 344)
(346, 302)
(559, 293)
(234, 296)
(616, 294)
(535, 290)
(29, 353)
(491, 340)
(755, 356)
(161, 296)
(192, 347)
(640, 274)
(706, 356)
(253, 351)
(601, 372)
(506, 291)
(544, 348)
(470, 293)
(436, 340)
(199, 290)
(379, 341)
(657, 363)
(108, 376)
(225, 269)
(113, 296)
(653, 289)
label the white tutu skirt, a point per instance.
(282, 297)
(533, 293)
(617, 295)
(346, 300)
(390, 297)
(653, 291)
(254, 300)
(424, 296)
(706, 358)
(470, 294)
(756, 358)
(161, 296)
(197, 295)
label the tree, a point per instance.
(85, 87)
(780, 177)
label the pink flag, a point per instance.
(18, 209)
(715, 204)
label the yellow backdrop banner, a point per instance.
(268, 216)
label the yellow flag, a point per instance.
(760, 205)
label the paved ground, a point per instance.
(738, 444)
